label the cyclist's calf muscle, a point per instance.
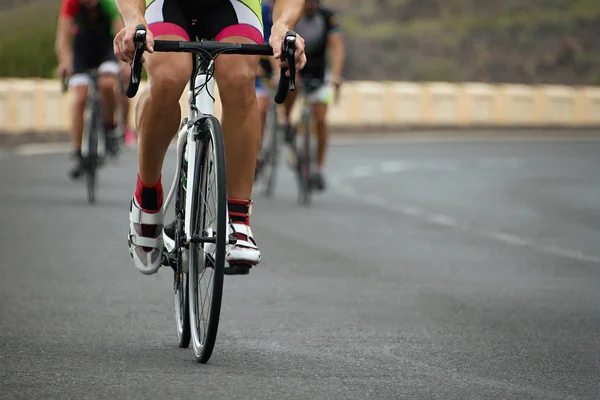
(241, 120)
(158, 111)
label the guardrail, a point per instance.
(38, 105)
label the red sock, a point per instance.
(149, 197)
(239, 211)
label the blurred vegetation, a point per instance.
(27, 33)
(521, 41)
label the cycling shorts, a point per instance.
(105, 61)
(206, 19)
(323, 94)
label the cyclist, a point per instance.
(84, 41)
(158, 111)
(321, 31)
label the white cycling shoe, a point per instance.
(145, 238)
(244, 251)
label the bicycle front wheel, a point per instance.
(181, 286)
(209, 234)
(91, 159)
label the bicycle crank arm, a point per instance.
(210, 239)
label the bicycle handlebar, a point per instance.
(213, 47)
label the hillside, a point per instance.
(533, 41)
(529, 41)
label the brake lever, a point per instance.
(139, 41)
(290, 49)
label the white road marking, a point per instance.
(390, 167)
(362, 171)
(411, 211)
(341, 186)
(453, 137)
(441, 219)
(42, 148)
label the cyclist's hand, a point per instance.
(124, 47)
(65, 70)
(276, 41)
(337, 84)
(337, 81)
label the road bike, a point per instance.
(301, 147)
(93, 143)
(269, 151)
(194, 246)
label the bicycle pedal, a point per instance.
(232, 240)
(238, 269)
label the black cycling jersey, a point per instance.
(93, 35)
(316, 30)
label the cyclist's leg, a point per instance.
(288, 106)
(130, 137)
(262, 96)
(108, 72)
(78, 83)
(321, 99)
(238, 22)
(157, 116)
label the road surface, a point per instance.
(450, 270)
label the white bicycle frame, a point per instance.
(205, 106)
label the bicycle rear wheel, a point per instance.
(303, 166)
(270, 173)
(209, 224)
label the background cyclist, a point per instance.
(84, 41)
(321, 31)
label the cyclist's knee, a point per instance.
(79, 97)
(320, 112)
(236, 78)
(168, 74)
(106, 83)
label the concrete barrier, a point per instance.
(28, 105)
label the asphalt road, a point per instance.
(458, 270)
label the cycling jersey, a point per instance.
(92, 24)
(316, 30)
(93, 36)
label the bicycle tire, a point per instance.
(303, 166)
(182, 311)
(91, 159)
(273, 153)
(210, 159)
(181, 286)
